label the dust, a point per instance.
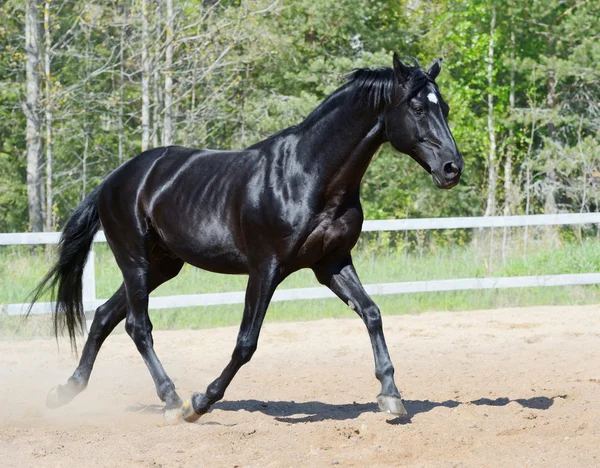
(526, 397)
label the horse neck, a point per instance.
(338, 147)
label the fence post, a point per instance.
(89, 286)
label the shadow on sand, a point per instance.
(292, 412)
(314, 411)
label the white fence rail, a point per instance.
(190, 300)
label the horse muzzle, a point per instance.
(448, 175)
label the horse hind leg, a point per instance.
(140, 278)
(106, 318)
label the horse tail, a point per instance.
(64, 280)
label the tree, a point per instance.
(490, 208)
(31, 109)
(145, 78)
(48, 114)
(121, 75)
(168, 118)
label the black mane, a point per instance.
(371, 88)
(374, 88)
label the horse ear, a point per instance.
(435, 69)
(402, 71)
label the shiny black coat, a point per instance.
(289, 202)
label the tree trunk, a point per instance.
(491, 199)
(509, 196)
(48, 109)
(551, 100)
(145, 79)
(189, 137)
(32, 113)
(121, 81)
(550, 186)
(86, 132)
(156, 104)
(168, 118)
(84, 161)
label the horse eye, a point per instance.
(418, 110)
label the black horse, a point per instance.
(286, 203)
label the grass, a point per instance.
(230, 315)
(22, 267)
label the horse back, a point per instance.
(179, 199)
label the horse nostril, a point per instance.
(451, 170)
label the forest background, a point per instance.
(86, 85)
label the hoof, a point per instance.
(173, 416)
(392, 405)
(52, 399)
(187, 412)
(62, 394)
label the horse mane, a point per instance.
(374, 87)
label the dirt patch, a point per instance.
(483, 388)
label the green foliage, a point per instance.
(13, 198)
(244, 70)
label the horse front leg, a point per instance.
(340, 276)
(259, 291)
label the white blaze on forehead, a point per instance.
(432, 97)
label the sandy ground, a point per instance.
(508, 387)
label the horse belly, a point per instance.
(210, 246)
(229, 263)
